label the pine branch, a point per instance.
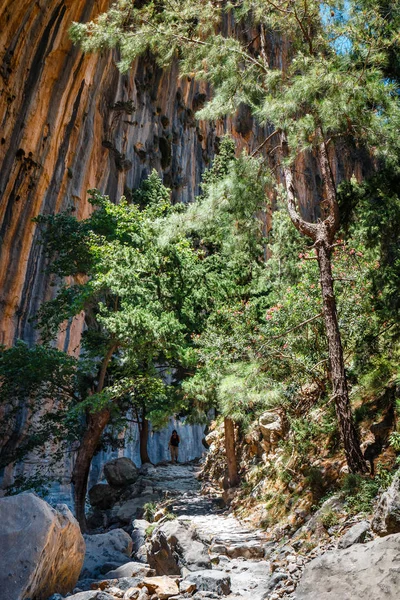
(276, 337)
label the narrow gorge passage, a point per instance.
(236, 549)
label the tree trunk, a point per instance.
(322, 233)
(230, 452)
(96, 423)
(348, 432)
(144, 438)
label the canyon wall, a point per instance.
(71, 122)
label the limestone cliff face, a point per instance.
(68, 123)
(71, 122)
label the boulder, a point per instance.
(273, 427)
(102, 496)
(355, 535)
(105, 551)
(132, 509)
(211, 581)
(174, 545)
(130, 569)
(164, 586)
(386, 519)
(41, 548)
(361, 572)
(120, 472)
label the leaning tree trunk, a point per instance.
(144, 438)
(96, 423)
(230, 452)
(348, 432)
(95, 426)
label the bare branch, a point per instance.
(261, 146)
(276, 337)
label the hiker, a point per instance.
(174, 446)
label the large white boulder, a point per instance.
(362, 572)
(41, 548)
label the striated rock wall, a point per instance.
(71, 122)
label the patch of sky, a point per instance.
(336, 13)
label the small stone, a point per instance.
(131, 593)
(163, 586)
(187, 587)
(355, 535)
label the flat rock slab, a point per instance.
(249, 578)
(130, 569)
(362, 572)
(211, 581)
(164, 586)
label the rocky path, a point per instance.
(194, 548)
(235, 549)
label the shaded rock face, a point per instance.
(102, 496)
(361, 572)
(41, 548)
(105, 551)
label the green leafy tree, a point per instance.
(29, 377)
(141, 300)
(328, 89)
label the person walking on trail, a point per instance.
(174, 446)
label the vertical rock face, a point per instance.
(71, 122)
